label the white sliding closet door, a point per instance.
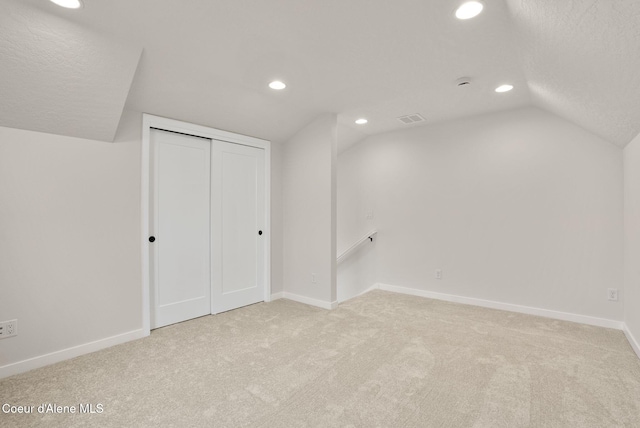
(180, 219)
(238, 226)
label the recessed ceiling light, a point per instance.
(277, 85)
(469, 10)
(504, 88)
(69, 4)
(361, 121)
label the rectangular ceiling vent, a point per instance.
(411, 118)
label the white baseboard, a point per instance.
(632, 340)
(565, 316)
(309, 301)
(276, 296)
(65, 354)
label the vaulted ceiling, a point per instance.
(581, 59)
(71, 72)
(57, 77)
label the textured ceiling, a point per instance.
(209, 61)
(57, 77)
(581, 59)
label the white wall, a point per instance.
(70, 266)
(358, 271)
(69, 239)
(309, 192)
(632, 241)
(518, 207)
(276, 219)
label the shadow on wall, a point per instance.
(357, 273)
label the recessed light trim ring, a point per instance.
(68, 4)
(469, 10)
(277, 85)
(504, 88)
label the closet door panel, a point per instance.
(239, 228)
(181, 221)
(239, 222)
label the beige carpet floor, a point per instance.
(380, 360)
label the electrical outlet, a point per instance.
(612, 294)
(313, 278)
(369, 214)
(8, 329)
(438, 273)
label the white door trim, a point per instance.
(150, 121)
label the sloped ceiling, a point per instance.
(581, 59)
(59, 77)
(209, 61)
